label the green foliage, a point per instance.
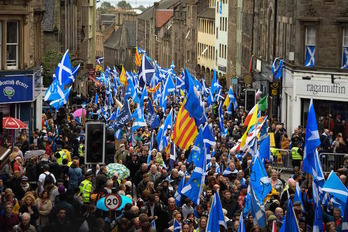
(124, 5)
(142, 8)
(50, 60)
(104, 7)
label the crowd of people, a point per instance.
(54, 190)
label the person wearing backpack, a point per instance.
(45, 179)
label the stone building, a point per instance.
(21, 50)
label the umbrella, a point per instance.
(13, 123)
(101, 204)
(125, 200)
(30, 154)
(120, 169)
(78, 113)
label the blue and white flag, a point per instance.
(150, 151)
(318, 214)
(152, 119)
(177, 226)
(259, 180)
(277, 68)
(220, 7)
(146, 72)
(209, 140)
(169, 87)
(139, 121)
(100, 60)
(221, 121)
(180, 83)
(96, 99)
(345, 58)
(61, 101)
(216, 216)
(54, 91)
(310, 56)
(290, 223)
(265, 149)
(143, 98)
(232, 98)
(75, 71)
(63, 71)
(312, 141)
(197, 151)
(263, 131)
(214, 89)
(298, 196)
(153, 223)
(123, 117)
(178, 194)
(241, 227)
(162, 132)
(257, 210)
(131, 91)
(335, 187)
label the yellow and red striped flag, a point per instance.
(137, 57)
(185, 129)
(155, 88)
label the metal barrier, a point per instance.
(331, 161)
(281, 158)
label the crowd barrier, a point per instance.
(330, 161)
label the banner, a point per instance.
(16, 89)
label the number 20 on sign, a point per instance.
(112, 201)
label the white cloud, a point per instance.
(134, 3)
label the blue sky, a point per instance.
(132, 2)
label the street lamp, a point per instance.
(56, 32)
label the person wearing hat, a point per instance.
(121, 154)
(86, 187)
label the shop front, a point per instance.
(329, 92)
(20, 93)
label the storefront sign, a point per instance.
(16, 89)
(322, 88)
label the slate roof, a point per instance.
(208, 13)
(164, 4)
(107, 18)
(114, 39)
(48, 15)
(131, 33)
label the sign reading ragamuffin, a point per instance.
(322, 88)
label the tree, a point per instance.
(124, 5)
(142, 8)
(105, 6)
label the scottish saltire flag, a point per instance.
(198, 85)
(335, 187)
(290, 223)
(232, 98)
(220, 6)
(153, 223)
(177, 226)
(96, 99)
(205, 90)
(318, 214)
(265, 149)
(169, 87)
(257, 210)
(54, 91)
(214, 89)
(180, 83)
(123, 117)
(61, 101)
(177, 194)
(216, 216)
(150, 150)
(263, 131)
(310, 56)
(298, 196)
(277, 68)
(318, 174)
(219, 97)
(228, 171)
(162, 132)
(146, 72)
(194, 186)
(247, 206)
(252, 150)
(345, 58)
(241, 227)
(209, 140)
(143, 98)
(259, 180)
(75, 71)
(100, 60)
(194, 104)
(139, 121)
(63, 71)
(221, 122)
(152, 118)
(131, 91)
(312, 141)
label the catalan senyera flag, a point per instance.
(250, 114)
(155, 88)
(137, 57)
(185, 129)
(252, 121)
(123, 77)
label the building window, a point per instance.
(310, 46)
(12, 45)
(0, 44)
(217, 33)
(345, 48)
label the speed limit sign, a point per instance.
(113, 201)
